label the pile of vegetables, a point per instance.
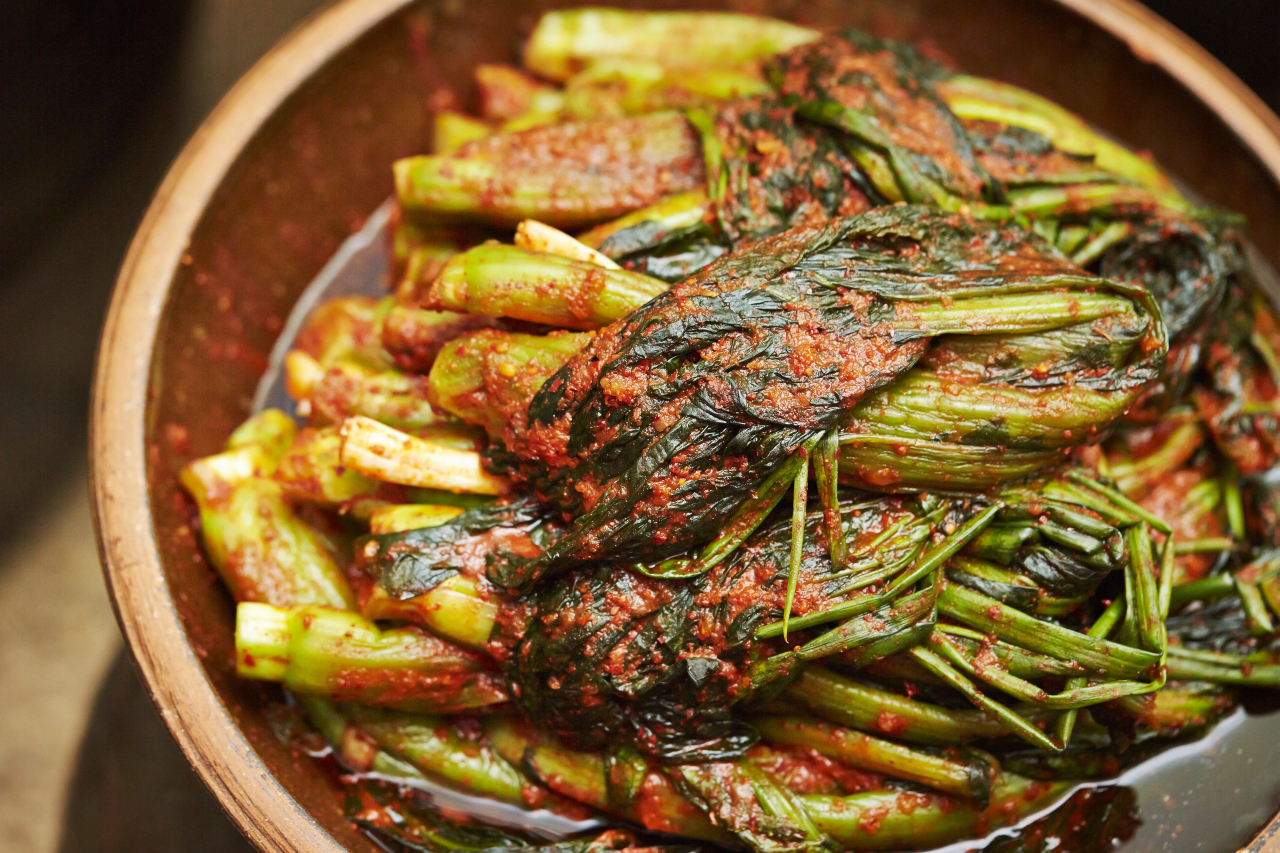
(886, 451)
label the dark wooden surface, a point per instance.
(88, 172)
(131, 790)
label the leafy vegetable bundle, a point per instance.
(891, 451)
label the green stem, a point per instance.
(270, 429)
(943, 551)
(1142, 592)
(799, 504)
(896, 464)
(1260, 623)
(651, 801)
(1233, 502)
(433, 746)
(827, 458)
(1099, 199)
(1165, 593)
(1175, 708)
(1000, 542)
(886, 621)
(892, 820)
(1120, 500)
(312, 470)
(1104, 657)
(538, 174)
(1014, 723)
(567, 40)
(496, 280)
(977, 98)
(1065, 725)
(1105, 239)
(921, 405)
(669, 216)
(1188, 665)
(868, 709)
(1011, 659)
(487, 376)
(1072, 697)
(346, 658)
(1208, 543)
(346, 386)
(1214, 586)
(928, 562)
(259, 546)
(1073, 494)
(880, 756)
(743, 799)
(878, 650)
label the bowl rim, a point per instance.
(192, 710)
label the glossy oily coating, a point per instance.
(770, 171)
(861, 120)
(880, 92)
(659, 429)
(604, 653)
(1029, 603)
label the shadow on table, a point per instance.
(132, 790)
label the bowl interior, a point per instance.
(321, 163)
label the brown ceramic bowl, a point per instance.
(291, 162)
